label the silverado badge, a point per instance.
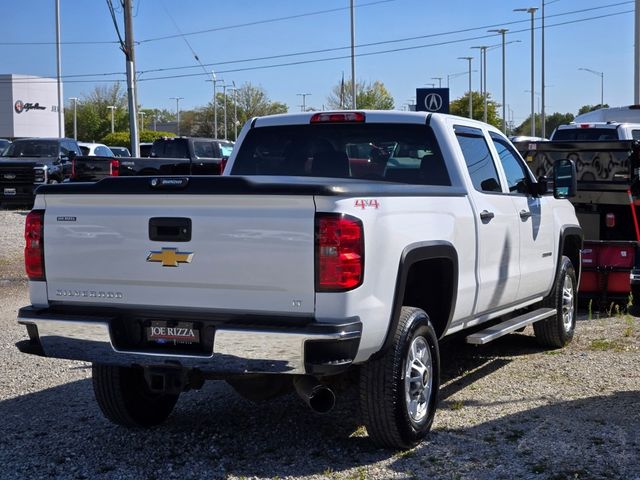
(170, 257)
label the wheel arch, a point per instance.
(571, 239)
(427, 279)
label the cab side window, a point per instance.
(477, 156)
(515, 171)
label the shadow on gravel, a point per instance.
(60, 433)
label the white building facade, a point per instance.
(28, 106)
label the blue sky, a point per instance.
(604, 44)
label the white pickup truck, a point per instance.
(335, 243)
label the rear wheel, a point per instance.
(398, 391)
(557, 331)
(124, 397)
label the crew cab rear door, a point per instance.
(498, 255)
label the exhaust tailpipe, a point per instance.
(320, 398)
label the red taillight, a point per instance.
(114, 168)
(585, 125)
(73, 168)
(611, 220)
(339, 252)
(338, 117)
(34, 248)
(223, 164)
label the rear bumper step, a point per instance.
(319, 348)
(511, 325)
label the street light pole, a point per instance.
(353, 58)
(532, 11)
(503, 31)
(177, 99)
(224, 97)
(439, 81)
(142, 114)
(304, 96)
(59, 70)
(483, 78)
(601, 75)
(235, 112)
(112, 108)
(75, 117)
(470, 96)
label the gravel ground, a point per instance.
(507, 410)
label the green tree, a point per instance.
(460, 106)
(369, 96)
(552, 122)
(122, 139)
(93, 116)
(591, 108)
(251, 101)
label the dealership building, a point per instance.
(28, 106)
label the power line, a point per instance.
(260, 22)
(217, 29)
(302, 62)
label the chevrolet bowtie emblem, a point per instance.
(170, 257)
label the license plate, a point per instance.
(9, 191)
(162, 332)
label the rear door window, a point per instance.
(514, 169)
(478, 159)
(203, 149)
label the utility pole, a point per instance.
(59, 70)
(353, 59)
(131, 80)
(304, 96)
(503, 31)
(636, 90)
(75, 117)
(470, 96)
(177, 99)
(112, 108)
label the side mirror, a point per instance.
(565, 183)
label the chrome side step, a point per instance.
(504, 328)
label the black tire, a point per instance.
(383, 395)
(557, 331)
(125, 399)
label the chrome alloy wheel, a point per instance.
(418, 379)
(568, 299)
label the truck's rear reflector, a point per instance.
(34, 247)
(338, 117)
(114, 168)
(339, 252)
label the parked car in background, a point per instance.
(169, 156)
(4, 143)
(30, 162)
(596, 131)
(95, 150)
(120, 151)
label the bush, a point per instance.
(122, 139)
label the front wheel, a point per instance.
(124, 397)
(557, 331)
(398, 391)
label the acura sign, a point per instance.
(435, 100)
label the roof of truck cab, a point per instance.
(371, 116)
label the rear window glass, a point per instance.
(170, 148)
(579, 134)
(32, 148)
(386, 152)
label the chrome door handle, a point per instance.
(524, 214)
(486, 215)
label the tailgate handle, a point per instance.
(170, 229)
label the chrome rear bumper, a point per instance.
(237, 349)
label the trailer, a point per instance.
(607, 208)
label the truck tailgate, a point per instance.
(98, 250)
